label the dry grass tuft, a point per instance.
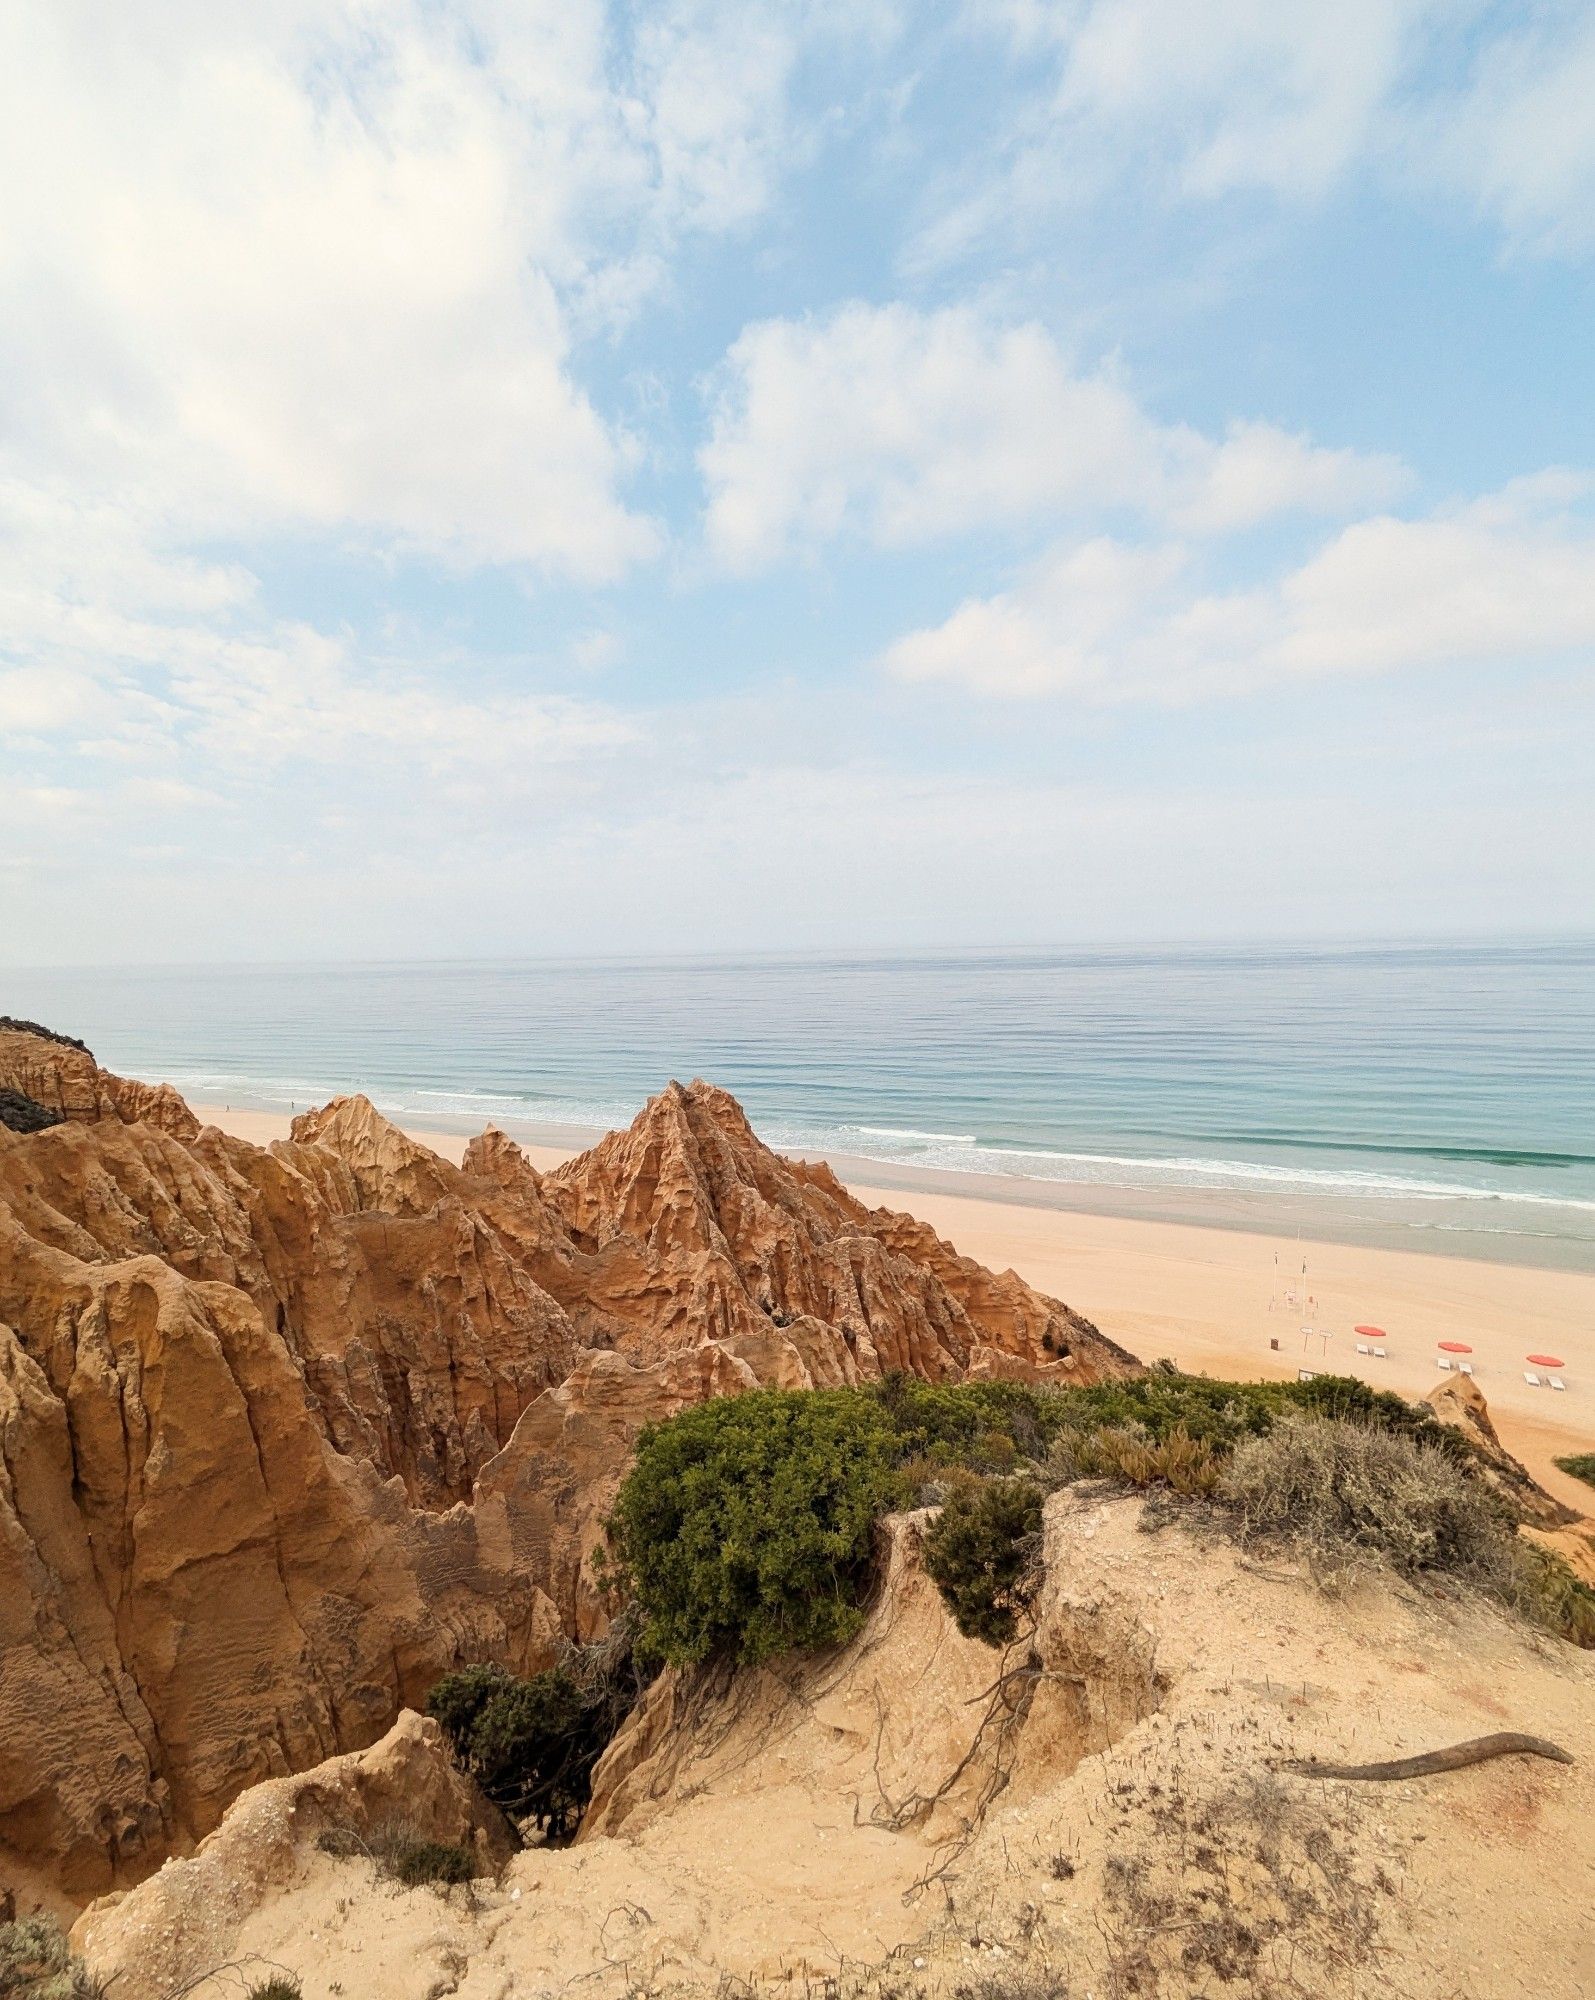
(405, 1853)
(1256, 1890)
(1184, 1464)
(1348, 1495)
(1353, 1497)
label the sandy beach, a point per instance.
(1210, 1299)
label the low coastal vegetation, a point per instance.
(983, 1552)
(746, 1528)
(22, 1113)
(531, 1742)
(36, 1964)
(1581, 1464)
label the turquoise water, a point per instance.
(1456, 1081)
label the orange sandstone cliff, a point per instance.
(285, 1433)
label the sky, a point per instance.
(506, 477)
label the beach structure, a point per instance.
(1292, 1296)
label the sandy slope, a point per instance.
(1201, 1296)
(766, 1829)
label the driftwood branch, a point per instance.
(1477, 1750)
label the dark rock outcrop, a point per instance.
(20, 1113)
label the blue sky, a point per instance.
(495, 477)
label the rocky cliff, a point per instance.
(287, 1432)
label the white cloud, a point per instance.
(315, 269)
(174, 671)
(1201, 102)
(1508, 581)
(1260, 471)
(1244, 92)
(899, 426)
(312, 274)
(1520, 138)
(280, 272)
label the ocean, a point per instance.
(1411, 1092)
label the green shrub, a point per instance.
(23, 1113)
(991, 1427)
(533, 1749)
(984, 1426)
(744, 1526)
(1344, 1398)
(459, 1698)
(981, 1553)
(1216, 1413)
(280, 1986)
(530, 1744)
(35, 1964)
(1581, 1464)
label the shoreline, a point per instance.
(1424, 1226)
(1201, 1294)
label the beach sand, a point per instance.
(1201, 1296)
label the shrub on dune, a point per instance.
(744, 1527)
(1352, 1495)
(1345, 1491)
(983, 1554)
(532, 1742)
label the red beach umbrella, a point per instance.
(1453, 1347)
(1373, 1332)
(1545, 1361)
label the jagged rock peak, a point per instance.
(391, 1169)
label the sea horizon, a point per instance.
(1439, 1096)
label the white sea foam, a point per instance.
(908, 1132)
(1147, 1174)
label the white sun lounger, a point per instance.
(1464, 1367)
(1533, 1381)
(1362, 1347)
(1379, 1354)
(1446, 1361)
(1556, 1382)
